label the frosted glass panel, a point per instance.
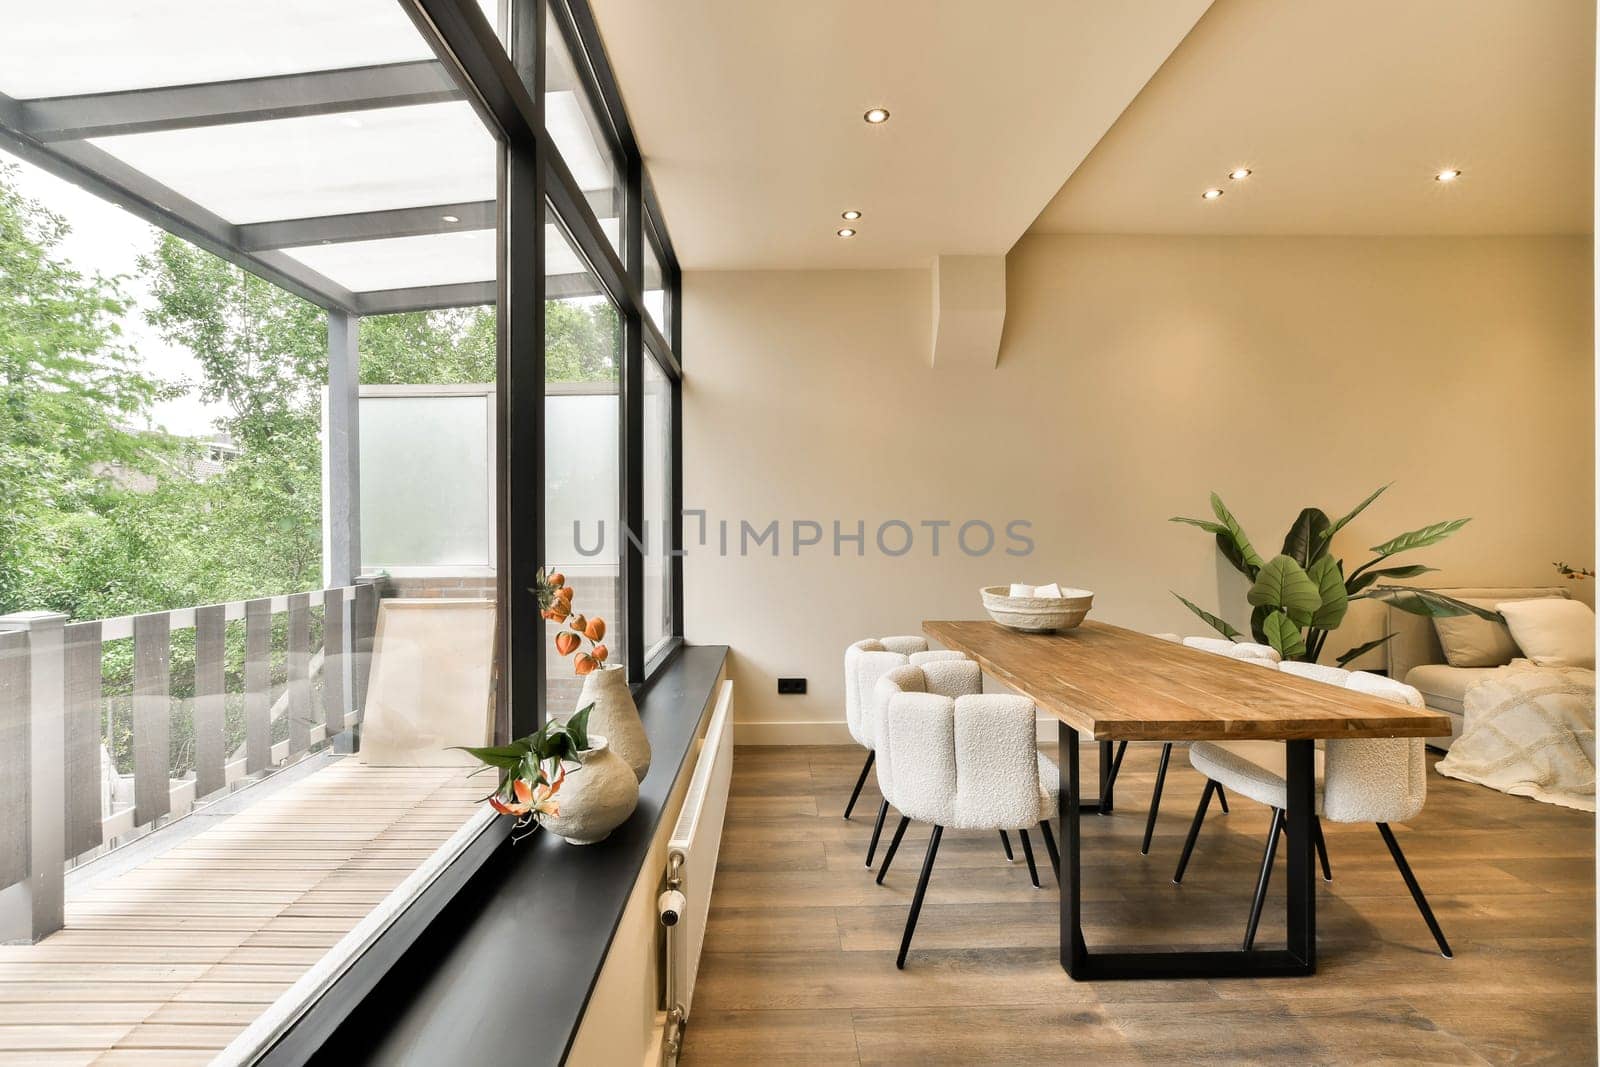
(580, 480)
(425, 499)
(321, 164)
(93, 46)
(400, 262)
(657, 504)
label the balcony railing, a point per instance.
(62, 796)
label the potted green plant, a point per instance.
(1301, 595)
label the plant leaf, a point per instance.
(1284, 635)
(1361, 581)
(1419, 538)
(1233, 543)
(1427, 602)
(1283, 583)
(578, 727)
(505, 757)
(1307, 539)
(1330, 587)
(1205, 524)
(1358, 509)
(1220, 625)
(1362, 649)
(1258, 616)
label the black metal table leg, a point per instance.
(1298, 959)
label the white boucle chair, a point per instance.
(1262, 655)
(864, 663)
(1376, 780)
(969, 762)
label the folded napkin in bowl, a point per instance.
(1051, 590)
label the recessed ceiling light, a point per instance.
(1448, 175)
(847, 232)
(851, 215)
(451, 218)
(1239, 174)
(1210, 194)
(876, 115)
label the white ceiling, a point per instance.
(748, 113)
(1345, 110)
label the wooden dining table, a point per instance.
(1108, 684)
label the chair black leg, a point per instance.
(894, 846)
(1194, 829)
(1266, 876)
(1222, 798)
(1050, 847)
(916, 899)
(1155, 798)
(1027, 852)
(1416, 890)
(1006, 841)
(861, 781)
(877, 829)
(1322, 849)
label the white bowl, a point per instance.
(1036, 614)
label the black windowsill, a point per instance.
(496, 967)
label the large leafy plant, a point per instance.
(1302, 594)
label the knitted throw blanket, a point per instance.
(1529, 732)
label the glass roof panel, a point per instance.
(404, 262)
(323, 164)
(93, 46)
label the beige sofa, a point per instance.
(1416, 658)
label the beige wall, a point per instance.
(1136, 374)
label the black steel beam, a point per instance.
(425, 298)
(177, 107)
(368, 225)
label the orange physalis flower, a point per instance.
(566, 643)
(578, 622)
(600, 652)
(565, 594)
(584, 663)
(556, 580)
(595, 630)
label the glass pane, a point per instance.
(321, 164)
(574, 122)
(655, 286)
(582, 352)
(104, 45)
(403, 262)
(658, 513)
(426, 483)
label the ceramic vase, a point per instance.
(616, 717)
(595, 798)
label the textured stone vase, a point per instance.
(616, 717)
(595, 798)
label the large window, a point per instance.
(279, 465)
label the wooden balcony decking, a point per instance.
(169, 961)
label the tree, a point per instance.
(71, 397)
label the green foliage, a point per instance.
(1302, 595)
(526, 758)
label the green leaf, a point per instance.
(1283, 583)
(1258, 618)
(1307, 539)
(1205, 524)
(1219, 625)
(1360, 581)
(578, 727)
(1419, 538)
(1427, 602)
(505, 757)
(1330, 587)
(1284, 635)
(1358, 509)
(1233, 543)
(1362, 649)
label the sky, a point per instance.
(107, 240)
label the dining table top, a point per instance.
(1116, 684)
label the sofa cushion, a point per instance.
(1445, 687)
(1469, 641)
(1553, 632)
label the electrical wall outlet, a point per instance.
(789, 686)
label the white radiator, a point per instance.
(692, 865)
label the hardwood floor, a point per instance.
(798, 964)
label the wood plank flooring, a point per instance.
(168, 962)
(799, 955)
